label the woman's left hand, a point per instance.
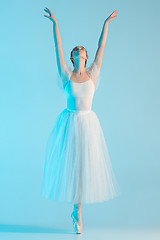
(112, 16)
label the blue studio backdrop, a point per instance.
(126, 103)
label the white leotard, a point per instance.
(79, 94)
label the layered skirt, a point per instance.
(77, 166)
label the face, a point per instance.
(79, 52)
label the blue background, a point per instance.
(126, 103)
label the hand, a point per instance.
(111, 17)
(51, 16)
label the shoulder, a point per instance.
(93, 71)
(93, 68)
(65, 74)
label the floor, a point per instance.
(38, 233)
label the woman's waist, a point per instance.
(79, 110)
(79, 105)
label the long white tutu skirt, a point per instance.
(77, 165)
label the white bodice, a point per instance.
(79, 95)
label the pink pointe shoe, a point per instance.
(76, 224)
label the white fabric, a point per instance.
(92, 71)
(77, 165)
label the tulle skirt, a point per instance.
(77, 165)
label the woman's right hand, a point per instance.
(51, 16)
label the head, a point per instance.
(78, 54)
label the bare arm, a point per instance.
(58, 47)
(57, 41)
(102, 40)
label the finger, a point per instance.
(46, 16)
(114, 13)
(113, 17)
(47, 11)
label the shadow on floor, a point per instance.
(32, 229)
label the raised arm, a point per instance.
(57, 41)
(102, 40)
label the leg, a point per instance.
(77, 211)
(76, 215)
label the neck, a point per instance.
(79, 69)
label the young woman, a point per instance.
(77, 164)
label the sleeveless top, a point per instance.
(79, 95)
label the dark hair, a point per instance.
(73, 51)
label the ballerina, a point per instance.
(77, 166)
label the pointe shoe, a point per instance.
(76, 224)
